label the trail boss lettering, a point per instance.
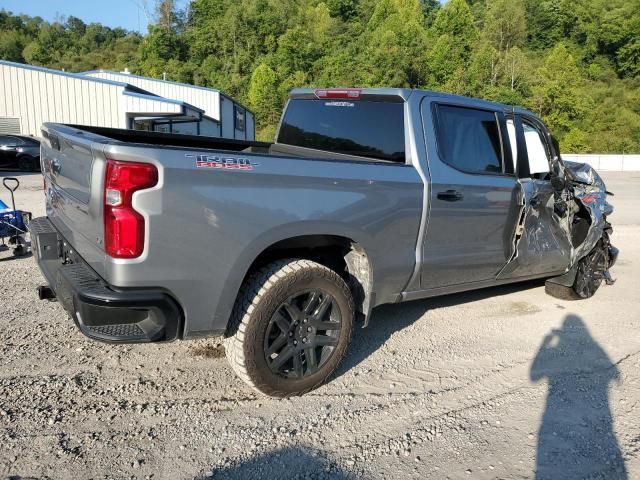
(227, 163)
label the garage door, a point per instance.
(10, 125)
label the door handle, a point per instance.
(450, 196)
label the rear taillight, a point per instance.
(123, 226)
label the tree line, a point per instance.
(576, 63)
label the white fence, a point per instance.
(612, 163)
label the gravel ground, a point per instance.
(500, 383)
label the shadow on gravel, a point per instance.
(285, 463)
(388, 319)
(576, 438)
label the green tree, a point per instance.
(556, 94)
(628, 59)
(505, 25)
(12, 43)
(588, 88)
(344, 9)
(450, 56)
(394, 45)
(263, 94)
(546, 20)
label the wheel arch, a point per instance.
(342, 253)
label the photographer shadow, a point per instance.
(576, 439)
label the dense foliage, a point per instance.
(575, 62)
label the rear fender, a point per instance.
(278, 234)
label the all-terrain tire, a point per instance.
(258, 300)
(590, 273)
(588, 279)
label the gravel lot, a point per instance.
(500, 383)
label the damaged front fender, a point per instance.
(563, 227)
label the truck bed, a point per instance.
(158, 139)
(174, 139)
(205, 224)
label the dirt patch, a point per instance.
(523, 308)
(208, 351)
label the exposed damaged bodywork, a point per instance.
(563, 227)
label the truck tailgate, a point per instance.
(73, 186)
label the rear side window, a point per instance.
(469, 139)
(362, 128)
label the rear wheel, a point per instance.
(290, 328)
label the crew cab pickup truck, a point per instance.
(366, 197)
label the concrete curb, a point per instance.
(607, 163)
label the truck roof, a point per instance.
(403, 94)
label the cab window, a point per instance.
(469, 139)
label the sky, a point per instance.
(128, 14)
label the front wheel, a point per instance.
(290, 328)
(590, 273)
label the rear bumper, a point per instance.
(101, 311)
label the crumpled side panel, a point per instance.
(544, 239)
(590, 190)
(541, 240)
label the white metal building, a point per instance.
(222, 115)
(30, 96)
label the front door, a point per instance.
(542, 243)
(473, 199)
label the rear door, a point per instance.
(473, 204)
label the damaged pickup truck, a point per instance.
(367, 197)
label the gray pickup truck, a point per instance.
(367, 197)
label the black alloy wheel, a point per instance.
(302, 334)
(290, 327)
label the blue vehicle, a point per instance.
(13, 223)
